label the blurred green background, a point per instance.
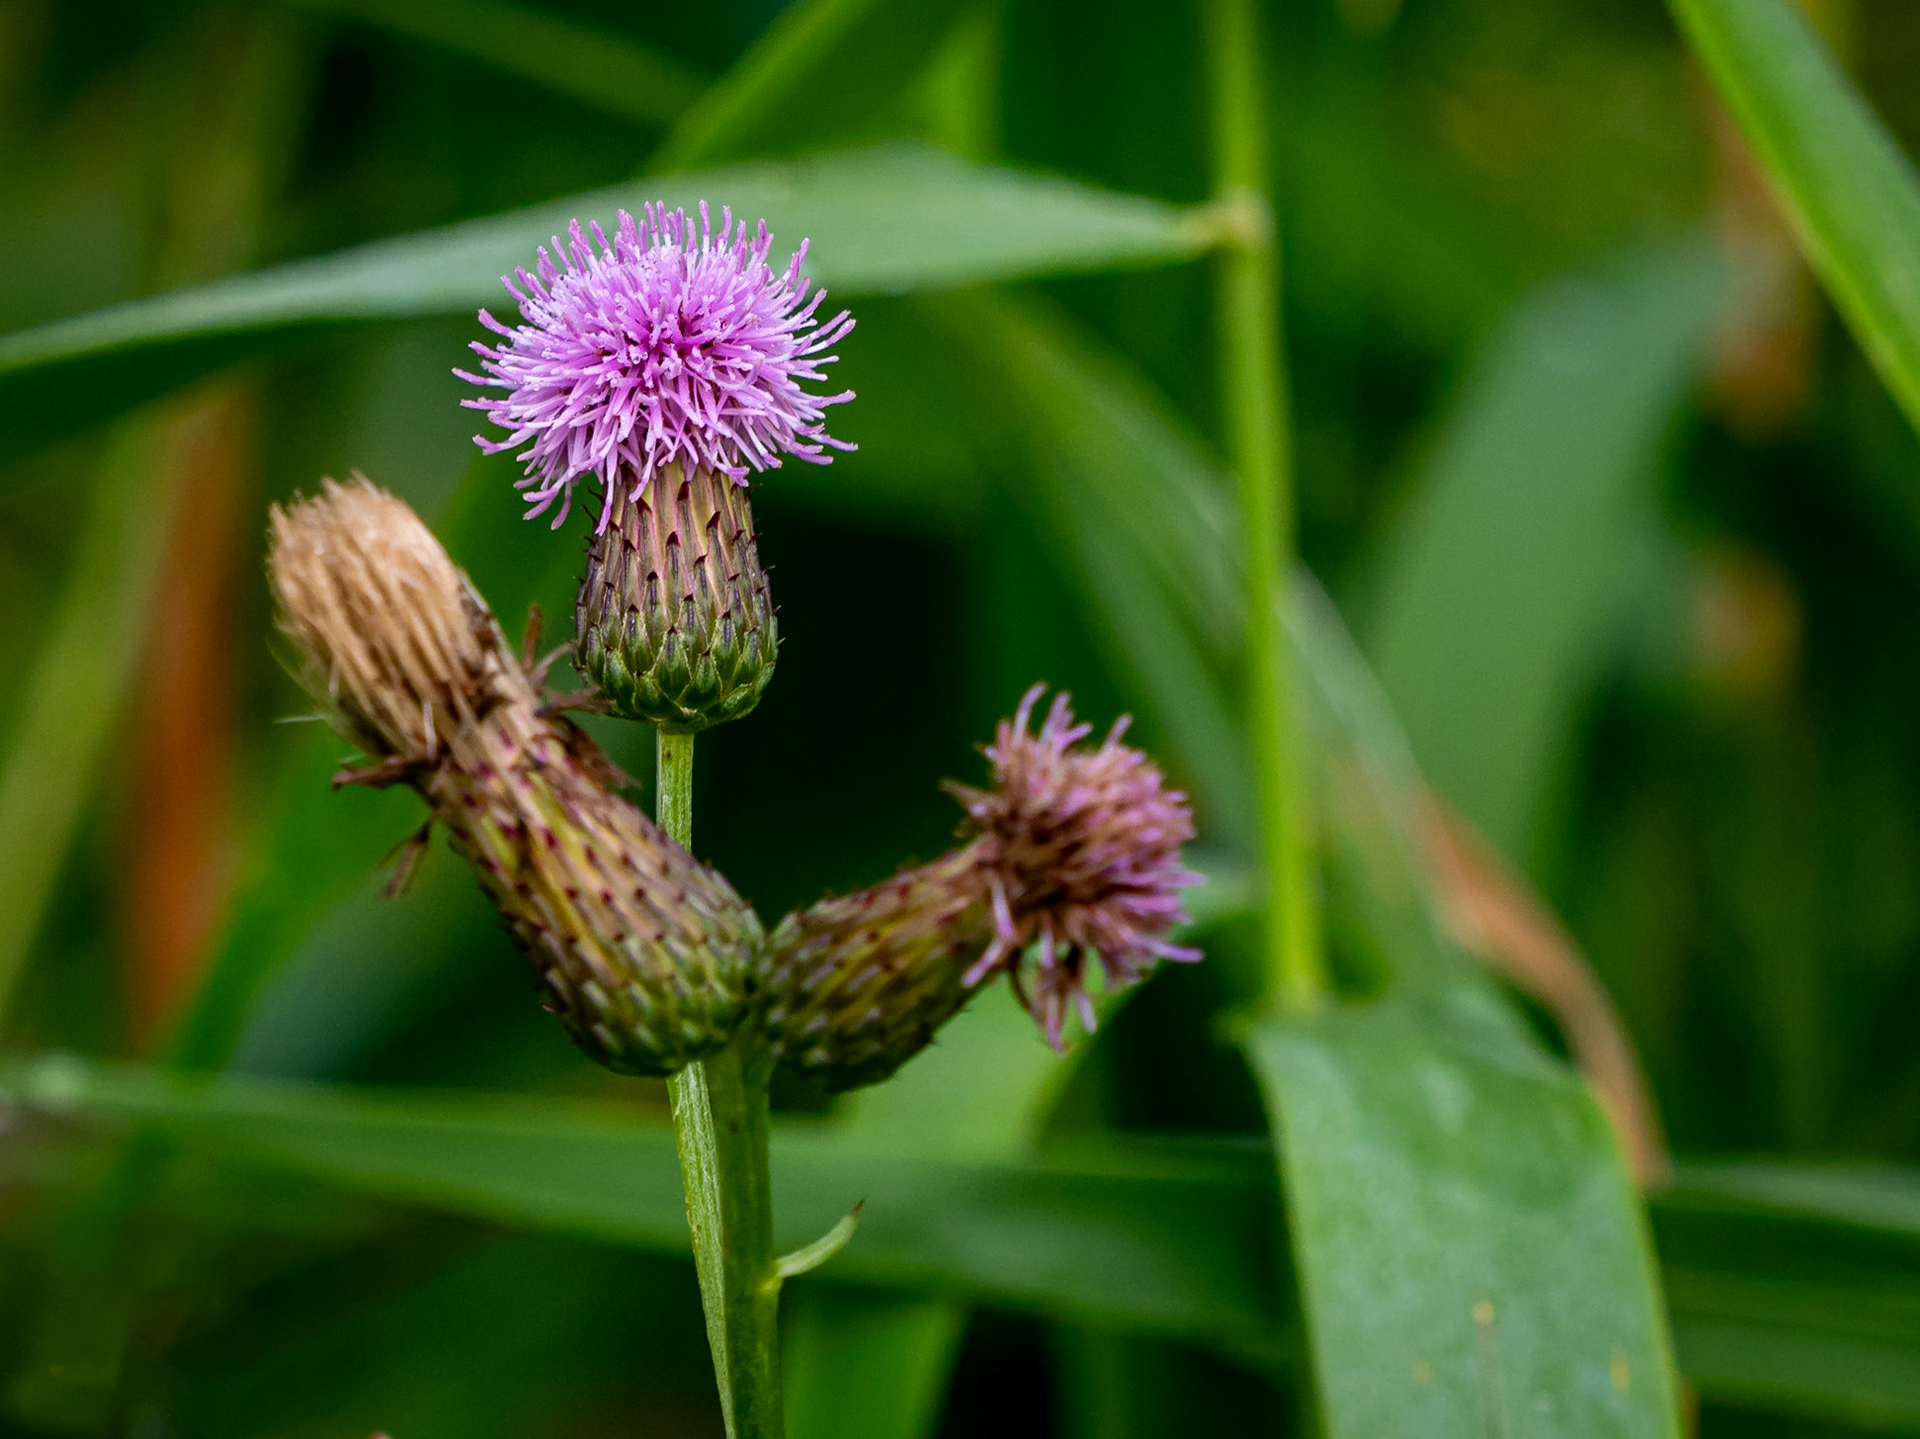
(1624, 522)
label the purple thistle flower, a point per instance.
(662, 347)
(1080, 850)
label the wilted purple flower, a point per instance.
(662, 346)
(1080, 849)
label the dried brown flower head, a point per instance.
(648, 957)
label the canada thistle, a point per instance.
(1071, 856)
(648, 957)
(668, 363)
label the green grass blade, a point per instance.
(611, 72)
(1472, 1259)
(77, 688)
(824, 72)
(1136, 513)
(1792, 1286)
(1133, 1239)
(1501, 578)
(1852, 195)
(1796, 1287)
(884, 220)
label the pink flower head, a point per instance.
(663, 347)
(1081, 854)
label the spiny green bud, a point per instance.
(674, 617)
(859, 984)
(648, 957)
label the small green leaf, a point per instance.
(1470, 1255)
(809, 1257)
(1853, 197)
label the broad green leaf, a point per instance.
(1498, 585)
(1853, 197)
(1470, 1257)
(611, 72)
(884, 220)
(1142, 1238)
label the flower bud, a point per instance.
(648, 958)
(859, 984)
(674, 617)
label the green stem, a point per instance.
(673, 786)
(720, 1126)
(1259, 439)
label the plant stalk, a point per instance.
(720, 1126)
(1259, 441)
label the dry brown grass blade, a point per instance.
(1494, 914)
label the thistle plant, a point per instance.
(667, 364)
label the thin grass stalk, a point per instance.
(1260, 446)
